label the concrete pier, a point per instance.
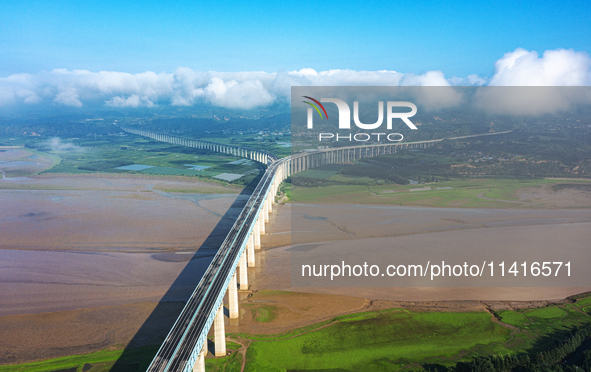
(219, 333)
(250, 250)
(262, 221)
(233, 298)
(257, 234)
(266, 212)
(243, 272)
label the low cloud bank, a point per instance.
(247, 90)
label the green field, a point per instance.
(393, 339)
(399, 339)
(111, 361)
(465, 193)
(529, 318)
(513, 318)
(386, 340)
(324, 172)
(101, 361)
(231, 363)
(107, 154)
(547, 313)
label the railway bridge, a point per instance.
(185, 347)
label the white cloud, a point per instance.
(185, 87)
(533, 85)
(56, 144)
(132, 101)
(232, 94)
(558, 67)
(251, 89)
(69, 98)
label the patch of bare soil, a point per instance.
(272, 312)
(269, 312)
(33, 337)
(567, 195)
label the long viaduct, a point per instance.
(185, 347)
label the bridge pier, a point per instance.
(262, 220)
(243, 272)
(233, 298)
(265, 212)
(271, 197)
(219, 333)
(250, 245)
(257, 233)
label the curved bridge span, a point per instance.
(185, 347)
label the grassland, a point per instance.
(285, 191)
(104, 154)
(466, 193)
(324, 172)
(374, 341)
(398, 339)
(385, 340)
(101, 361)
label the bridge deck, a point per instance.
(183, 337)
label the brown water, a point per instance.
(78, 242)
(345, 231)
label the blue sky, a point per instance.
(248, 54)
(456, 37)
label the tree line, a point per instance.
(555, 359)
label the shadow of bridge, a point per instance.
(145, 343)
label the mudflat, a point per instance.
(33, 337)
(85, 259)
(111, 213)
(357, 225)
